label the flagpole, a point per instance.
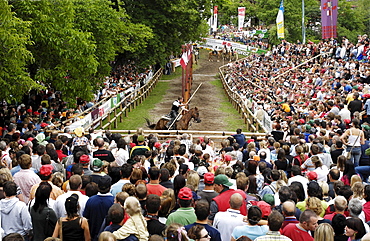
(303, 25)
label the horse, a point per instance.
(214, 54)
(182, 124)
(234, 56)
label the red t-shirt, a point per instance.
(156, 189)
(296, 233)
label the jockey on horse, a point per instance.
(176, 106)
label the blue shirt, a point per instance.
(251, 232)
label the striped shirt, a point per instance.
(273, 236)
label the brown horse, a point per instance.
(214, 55)
(182, 124)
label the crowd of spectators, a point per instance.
(306, 180)
(254, 36)
(46, 109)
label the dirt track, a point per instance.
(206, 99)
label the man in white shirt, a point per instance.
(225, 222)
(297, 177)
(75, 183)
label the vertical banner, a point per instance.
(280, 21)
(215, 12)
(241, 17)
(329, 14)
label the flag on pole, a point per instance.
(184, 60)
(280, 21)
(215, 12)
(241, 17)
(329, 15)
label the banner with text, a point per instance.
(241, 17)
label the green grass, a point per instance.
(135, 118)
(232, 118)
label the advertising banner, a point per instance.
(241, 17)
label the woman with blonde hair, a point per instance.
(325, 191)
(300, 157)
(358, 191)
(314, 204)
(324, 232)
(136, 225)
(264, 148)
(168, 203)
(107, 236)
(193, 179)
(355, 179)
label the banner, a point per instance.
(329, 14)
(280, 21)
(241, 17)
(215, 12)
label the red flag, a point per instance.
(184, 60)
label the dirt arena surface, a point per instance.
(207, 98)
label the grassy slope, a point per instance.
(136, 119)
(228, 111)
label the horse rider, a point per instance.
(176, 106)
(215, 52)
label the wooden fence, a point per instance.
(252, 123)
(127, 104)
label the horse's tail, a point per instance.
(148, 124)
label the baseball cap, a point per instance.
(96, 165)
(227, 158)
(269, 198)
(46, 170)
(185, 193)
(141, 138)
(104, 182)
(202, 170)
(366, 127)
(311, 175)
(222, 179)
(209, 178)
(84, 159)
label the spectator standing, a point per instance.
(26, 177)
(98, 205)
(14, 213)
(275, 221)
(300, 232)
(208, 193)
(185, 214)
(102, 153)
(225, 222)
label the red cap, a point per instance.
(43, 125)
(312, 175)
(209, 178)
(185, 193)
(302, 121)
(84, 159)
(249, 141)
(227, 158)
(347, 121)
(157, 145)
(46, 170)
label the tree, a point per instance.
(351, 20)
(15, 35)
(267, 12)
(112, 31)
(64, 56)
(173, 23)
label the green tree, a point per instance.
(350, 20)
(14, 55)
(64, 56)
(112, 31)
(267, 11)
(173, 23)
